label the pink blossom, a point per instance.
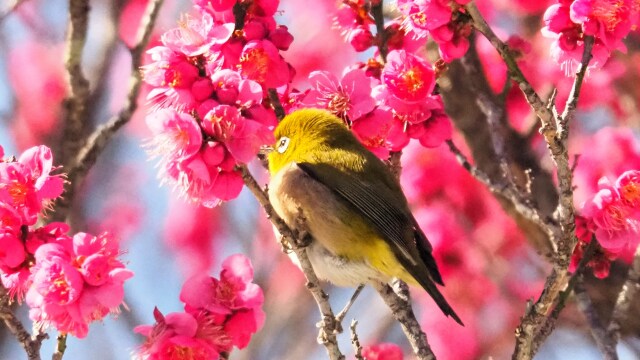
(628, 185)
(233, 291)
(242, 137)
(281, 37)
(615, 228)
(348, 97)
(173, 336)
(407, 76)
(219, 314)
(360, 38)
(172, 76)
(12, 252)
(231, 89)
(197, 35)
(216, 5)
(261, 62)
(373, 129)
(76, 281)
(382, 351)
(27, 185)
(242, 325)
(176, 136)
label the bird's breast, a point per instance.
(342, 241)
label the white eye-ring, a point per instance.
(283, 144)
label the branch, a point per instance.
(61, 347)
(378, 16)
(329, 325)
(87, 156)
(520, 204)
(30, 343)
(605, 343)
(400, 306)
(76, 103)
(629, 291)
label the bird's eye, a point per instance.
(283, 144)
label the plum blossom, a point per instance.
(408, 77)
(568, 22)
(76, 281)
(27, 185)
(440, 19)
(173, 336)
(219, 314)
(348, 98)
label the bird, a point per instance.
(361, 227)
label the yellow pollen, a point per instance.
(412, 80)
(18, 192)
(255, 62)
(609, 12)
(419, 18)
(631, 192)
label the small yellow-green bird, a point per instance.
(353, 206)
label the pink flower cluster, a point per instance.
(68, 281)
(568, 22)
(385, 108)
(218, 315)
(612, 215)
(442, 20)
(210, 82)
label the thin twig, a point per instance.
(61, 347)
(378, 17)
(355, 341)
(403, 313)
(353, 298)
(98, 140)
(275, 104)
(30, 343)
(329, 326)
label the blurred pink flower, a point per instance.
(37, 76)
(382, 351)
(190, 231)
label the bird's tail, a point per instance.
(423, 279)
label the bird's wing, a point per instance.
(380, 205)
(373, 203)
